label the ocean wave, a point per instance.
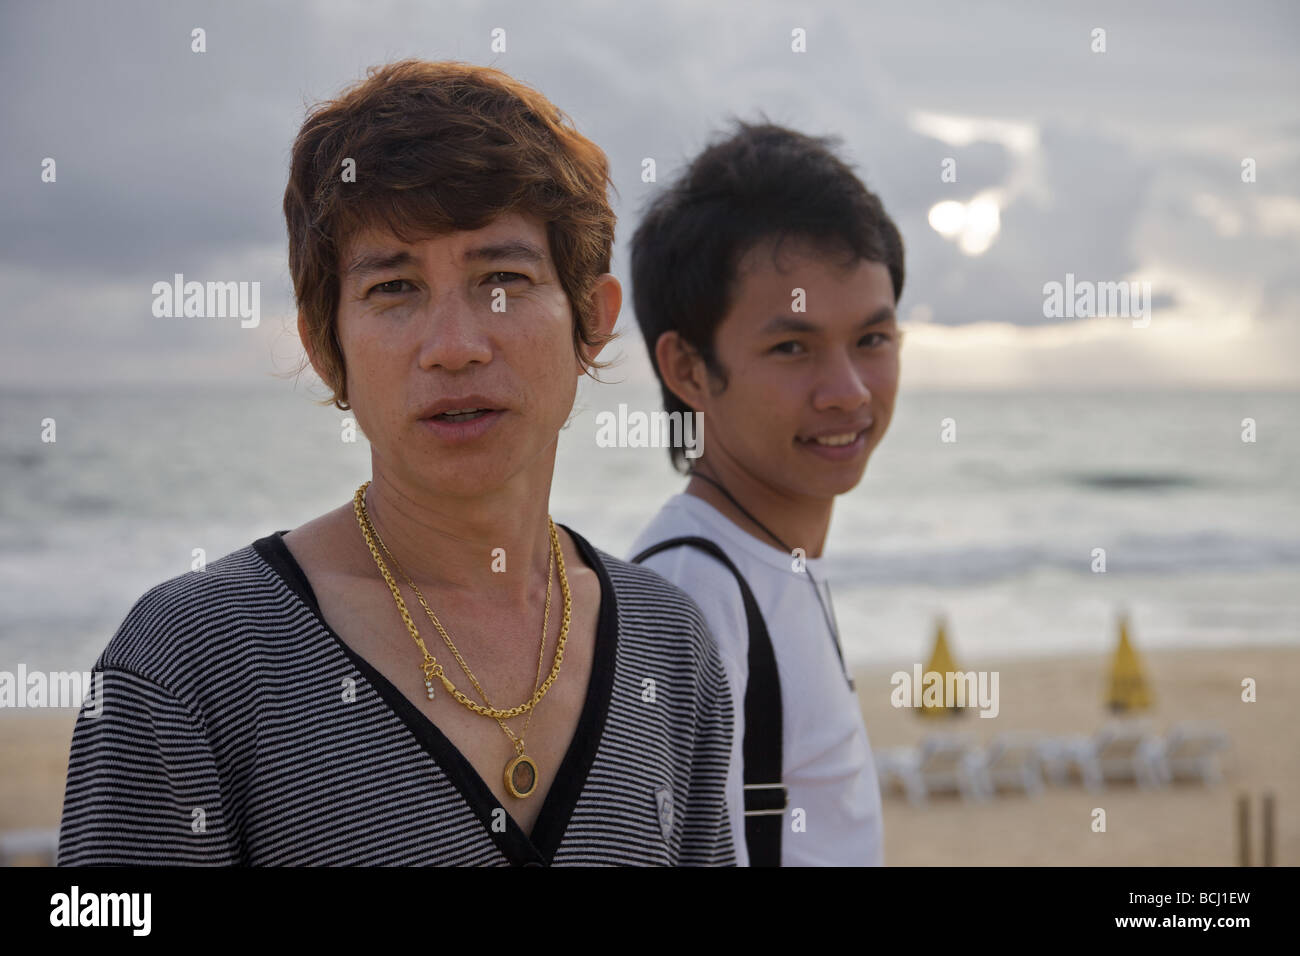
(1128, 554)
(1133, 480)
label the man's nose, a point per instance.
(840, 384)
(454, 333)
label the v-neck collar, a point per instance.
(518, 847)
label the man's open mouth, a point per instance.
(833, 441)
(462, 414)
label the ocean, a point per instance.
(995, 531)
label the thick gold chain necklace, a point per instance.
(521, 773)
(525, 763)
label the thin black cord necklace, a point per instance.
(828, 615)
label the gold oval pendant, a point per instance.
(521, 776)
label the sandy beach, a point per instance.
(1184, 824)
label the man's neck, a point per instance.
(798, 522)
(494, 547)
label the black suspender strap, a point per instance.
(765, 793)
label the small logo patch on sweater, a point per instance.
(664, 799)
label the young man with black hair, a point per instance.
(765, 282)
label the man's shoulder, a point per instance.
(701, 574)
(659, 620)
(196, 615)
(671, 520)
(641, 591)
(663, 634)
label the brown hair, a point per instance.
(439, 147)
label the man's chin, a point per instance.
(825, 476)
(801, 481)
(458, 475)
(832, 488)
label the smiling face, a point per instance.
(473, 321)
(809, 394)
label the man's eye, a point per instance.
(509, 276)
(875, 335)
(391, 287)
(788, 348)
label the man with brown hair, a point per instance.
(434, 672)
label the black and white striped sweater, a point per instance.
(226, 738)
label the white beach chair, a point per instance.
(1130, 750)
(1121, 750)
(1058, 756)
(942, 763)
(37, 846)
(1012, 761)
(893, 767)
(1125, 750)
(1191, 752)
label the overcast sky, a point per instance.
(1117, 165)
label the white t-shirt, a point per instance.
(827, 764)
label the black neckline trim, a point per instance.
(570, 778)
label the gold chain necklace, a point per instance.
(521, 789)
(521, 772)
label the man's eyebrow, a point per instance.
(517, 249)
(368, 262)
(883, 314)
(786, 323)
(509, 249)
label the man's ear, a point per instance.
(682, 368)
(606, 303)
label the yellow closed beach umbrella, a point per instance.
(940, 663)
(1128, 684)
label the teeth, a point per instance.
(460, 414)
(845, 439)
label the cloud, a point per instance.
(1122, 165)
